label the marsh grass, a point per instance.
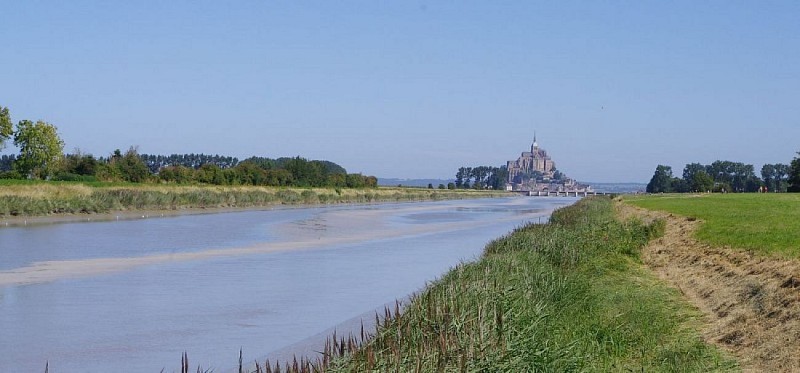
(31, 198)
(767, 223)
(567, 296)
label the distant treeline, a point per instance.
(208, 169)
(41, 156)
(481, 177)
(726, 176)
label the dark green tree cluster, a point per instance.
(481, 177)
(794, 175)
(775, 177)
(132, 167)
(295, 171)
(721, 176)
(7, 162)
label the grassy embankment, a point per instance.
(31, 198)
(570, 295)
(765, 223)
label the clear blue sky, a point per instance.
(414, 89)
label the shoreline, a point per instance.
(173, 211)
(18, 221)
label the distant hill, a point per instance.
(413, 182)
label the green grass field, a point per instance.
(568, 296)
(765, 223)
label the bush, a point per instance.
(66, 176)
(11, 175)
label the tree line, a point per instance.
(481, 177)
(726, 176)
(42, 157)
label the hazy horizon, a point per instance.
(414, 90)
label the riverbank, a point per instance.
(43, 202)
(570, 295)
(735, 258)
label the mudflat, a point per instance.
(334, 227)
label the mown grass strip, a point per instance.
(568, 296)
(766, 223)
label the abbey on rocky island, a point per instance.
(536, 171)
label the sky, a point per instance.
(414, 89)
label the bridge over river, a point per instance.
(554, 193)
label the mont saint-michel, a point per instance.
(535, 171)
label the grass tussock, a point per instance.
(568, 296)
(28, 198)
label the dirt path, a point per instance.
(752, 302)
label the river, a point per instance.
(135, 295)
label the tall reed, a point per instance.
(37, 199)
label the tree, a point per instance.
(281, 177)
(775, 176)
(661, 180)
(209, 173)
(7, 162)
(794, 175)
(679, 185)
(40, 149)
(6, 129)
(131, 167)
(690, 170)
(701, 182)
(738, 176)
(305, 173)
(430, 186)
(782, 177)
(497, 178)
(79, 163)
(176, 174)
(463, 173)
(356, 181)
(451, 186)
(768, 175)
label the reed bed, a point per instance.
(53, 198)
(567, 296)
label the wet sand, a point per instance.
(330, 228)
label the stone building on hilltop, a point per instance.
(536, 171)
(536, 164)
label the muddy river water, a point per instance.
(134, 295)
